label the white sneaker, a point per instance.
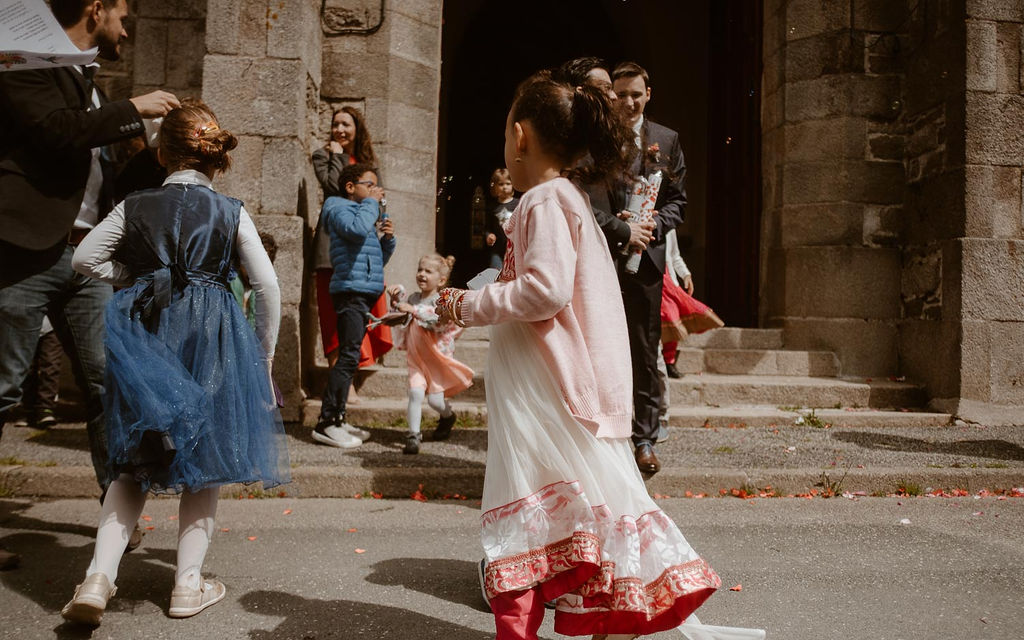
(362, 434)
(335, 436)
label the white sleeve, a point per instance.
(93, 256)
(263, 281)
(673, 255)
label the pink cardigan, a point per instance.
(559, 277)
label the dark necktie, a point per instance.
(89, 72)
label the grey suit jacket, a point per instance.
(659, 150)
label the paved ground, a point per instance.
(878, 568)
(793, 459)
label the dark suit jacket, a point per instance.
(46, 137)
(671, 203)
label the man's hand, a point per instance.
(155, 104)
(688, 284)
(387, 227)
(376, 193)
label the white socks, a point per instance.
(122, 508)
(414, 412)
(196, 513)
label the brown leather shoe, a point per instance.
(135, 540)
(646, 461)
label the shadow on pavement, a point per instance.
(65, 436)
(309, 619)
(453, 580)
(997, 449)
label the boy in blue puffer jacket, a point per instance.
(362, 241)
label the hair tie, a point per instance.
(209, 126)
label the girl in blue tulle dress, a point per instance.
(188, 399)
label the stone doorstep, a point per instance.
(690, 360)
(715, 390)
(346, 482)
(387, 411)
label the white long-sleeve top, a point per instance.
(674, 259)
(94, 258)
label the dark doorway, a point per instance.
(489, 47)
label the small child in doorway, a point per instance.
(429, 343)
(504, 196)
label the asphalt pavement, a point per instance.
(315, 569)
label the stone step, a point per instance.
(735, 338)
(717, 390)
(391, 412)
(767, 362)
(770, 362)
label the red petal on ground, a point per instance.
(225, 529)
(353, 530)
(150, 528)
(251, 538)
(147, 518)
(738, 587)
(287, 512)
(360, 550)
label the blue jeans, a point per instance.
(352, 309)
(38, 283)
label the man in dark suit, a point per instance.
(54, 187)
(658, 150)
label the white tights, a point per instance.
(437, 402)
(121, 510)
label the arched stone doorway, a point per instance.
(704, 59)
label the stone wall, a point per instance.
(833, 178)
(894, 139)
(261, 74)
(990, 253)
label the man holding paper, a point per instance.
(54, 187)
(658, 151)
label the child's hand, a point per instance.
(491, 239)
(405, 307)
(387, 227)
(688, 284)
(397, 292)
(376, 193)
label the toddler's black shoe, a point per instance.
(412, 444)
(444, 428)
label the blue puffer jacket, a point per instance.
(357, 256)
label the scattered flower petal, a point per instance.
(251, 538)
(353, 530)
(738, 587)
(147, 518)
(287, 512)
(905, 521)
(360, 550)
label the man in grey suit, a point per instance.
(54, 187)
(658, 150)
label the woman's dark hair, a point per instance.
(362, 146)
(191, 138)
(574, 121)
(575, 71)
(352, 173)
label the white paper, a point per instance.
(30, 38)
(482, 279)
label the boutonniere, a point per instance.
(654, 153)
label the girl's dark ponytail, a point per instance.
(573, 122)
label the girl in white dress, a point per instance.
(566, 515)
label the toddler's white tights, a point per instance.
(122, 508)
(437, 402)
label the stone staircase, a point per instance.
(731, 377)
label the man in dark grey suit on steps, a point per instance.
(658, 150)
(54, 187)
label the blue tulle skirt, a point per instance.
(188, 400)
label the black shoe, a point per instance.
(8, 560)
(670, 369)
(412, 444)
(444, 428)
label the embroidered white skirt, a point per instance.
(568, 513)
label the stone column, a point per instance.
(261, 75)
(990, 255)
(833, 179)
